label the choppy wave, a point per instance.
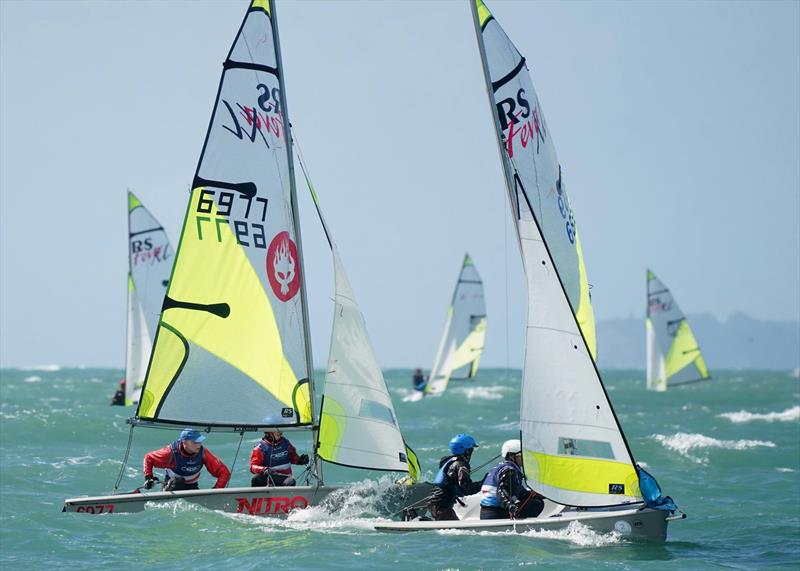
(45, 368)
(33, 379)
(787, 415)
(483, 393)
(683, 443)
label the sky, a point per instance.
(677, 125)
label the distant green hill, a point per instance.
(740, 342)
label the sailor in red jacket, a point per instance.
(271, 460)
(184, 459)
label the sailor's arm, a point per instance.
(216, 468)
(256, 461)
(161, 458)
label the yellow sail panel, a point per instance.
(683, 351)
(483, 12)
(333, 423)
(582, 475)
(584, 313)
(261, 4)
(169, 356)
(219, 304)
(472, 347)
(133, 202)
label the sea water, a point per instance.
(727, 451)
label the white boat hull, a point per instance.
(640, 524)
(266, 501)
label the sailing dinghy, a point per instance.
(673, 355)
(461, 346)
(232, 349)
(149, 265)
(574, 450)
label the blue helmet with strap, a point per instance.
(460, 443)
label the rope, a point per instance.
(124, 461)
(241, 434)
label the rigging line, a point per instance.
(124, 461)
(505, 261)
(241, 434)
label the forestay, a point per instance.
(461, 346)
(573, 448)
(149, 264)
(673, 355)
(231, 345)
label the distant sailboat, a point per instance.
(149, 265)
(232, 352)
(673, 354)
(461, 346)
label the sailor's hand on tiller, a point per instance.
(303, 460)
(148, 482)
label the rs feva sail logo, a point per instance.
(283, 269)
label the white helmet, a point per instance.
(511, 447)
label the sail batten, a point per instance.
(574, 450)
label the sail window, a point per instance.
(375, 410)
(581, 447)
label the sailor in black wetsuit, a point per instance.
(119, 397)
(505, 495)
(419, 380)
(453, 479)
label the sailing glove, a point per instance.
(513, 509)
(148, 482)
(303, 460)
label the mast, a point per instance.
(296, 219)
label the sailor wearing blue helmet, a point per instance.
(453, 480)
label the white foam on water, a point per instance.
(575, 533)
(33, 379)
(785, 470)
(483, 393)
(683, 443)
(578, 534)
(74, 461)
(787, 415)
(45, 368)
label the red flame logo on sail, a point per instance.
(282, 268)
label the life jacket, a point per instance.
(489, 487)
(443, 481)
(276, 456)
(186, 467)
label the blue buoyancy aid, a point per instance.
(443, 481)
(276, 456)
(187, 467)
(489, 487)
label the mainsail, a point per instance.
(673, 355)
(460, 348)
(574, 450)
(149, 264)
(232, 346)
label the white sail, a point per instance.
(358, 423)
(461, 345)
(150, 259)
(232, 346)
(574, 451)
(673, 354)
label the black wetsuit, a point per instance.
(515, 498)
(456, 482)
